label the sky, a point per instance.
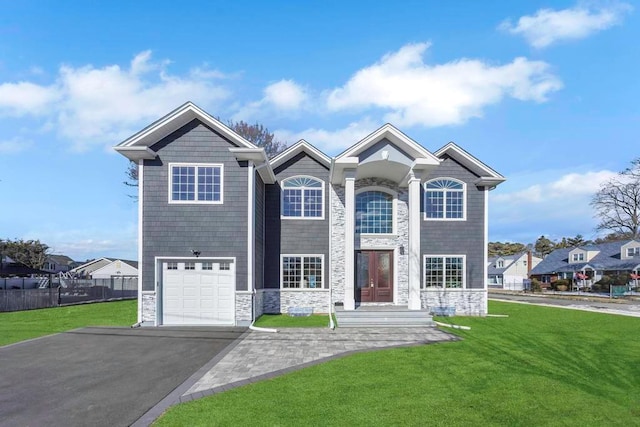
(544, 92)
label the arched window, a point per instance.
(374, 212)
(303, 197)
(444, 199)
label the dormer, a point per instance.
(630, 250)
(500, 263)
(578, 255)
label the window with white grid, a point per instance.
(374, 212)
(195, 183)
(444, 199)
(302, 271)
(303, 197)
(444, 271)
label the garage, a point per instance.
(198, 292)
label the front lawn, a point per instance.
(286, 321)
(539, 366)
(22, 325)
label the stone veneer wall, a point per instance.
(243, 308)
(280, 300)
(148, 306)
(468, 302)
(401, 238)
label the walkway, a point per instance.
(261, 355)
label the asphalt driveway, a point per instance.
(101, 376)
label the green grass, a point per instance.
(540, 366)
(285, 321)
(22, 325)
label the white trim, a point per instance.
(302, 256)
(466, 159)
(444, 205)
(299, 147)
(322, 187)
(251, 229)
(394, 210)
(349, 238)
(464, 270)
(413, 264)
(140, 235)
(485, 264)
(194, 202)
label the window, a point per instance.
(500, 264)
(195, 183)
(444, 199)
(302, 271)
(207, 266)
(172, 266)
(374, 212)
(302, 197)
(578, 257)
(189, 265)
(444, 271)
(633, 252)
(225, 266)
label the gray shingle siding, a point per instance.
(215, 230)
(458, 237)
(294, 236)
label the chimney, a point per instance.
(529, 260)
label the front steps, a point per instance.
(376, 316)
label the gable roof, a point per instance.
(487, 176)
(301, 146)
(508, 262)
(608, 258)
(60, 259)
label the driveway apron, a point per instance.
(101, 376)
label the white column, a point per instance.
(414, 241)
(349, 238)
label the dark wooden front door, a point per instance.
(374, 276)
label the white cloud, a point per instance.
(330, 141)
(435, 95)
(14, 145)
(281, 96)
(548, 26)
(101, 106)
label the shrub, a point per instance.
(535, 285)
(603, 284)
(560, 285)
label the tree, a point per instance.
(617, 203)
(256, 134)
(544, 246)
(503, 249)
(574, 242)
(31, 253)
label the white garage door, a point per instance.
(198, 292)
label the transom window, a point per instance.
(444, 199)
(195, 183)
(207, 266)
(374, 212)
(444, 271)
(302, 271)
(303, 197)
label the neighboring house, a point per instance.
(226, 234)
(587, 264)
(104, 268)
(509, 271)
(58, 264)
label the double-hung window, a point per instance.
(444, 271)
(303, 197)
(444, 199)
(633, 252)
(302, 271)
(195, 183)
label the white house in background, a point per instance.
(509, 271)
(101, 268)
(58, 264)
(116, 268)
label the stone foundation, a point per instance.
(149, 306)
(280, 300)
(468, 302)
(243, 308)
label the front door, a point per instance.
(374, 276)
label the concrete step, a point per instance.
(383, 317)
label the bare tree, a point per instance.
(617, 203)
(31, 253)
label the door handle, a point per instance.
(372, 284)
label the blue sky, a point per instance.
(544, 92)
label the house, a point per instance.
(58, 264)
(105, 268)
(509, 271)
(588, 264)
(226, 234)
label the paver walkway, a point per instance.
(263, 355)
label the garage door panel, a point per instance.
(198, 297)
